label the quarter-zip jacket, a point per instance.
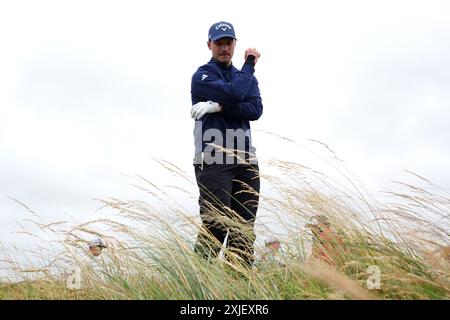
(237, 92)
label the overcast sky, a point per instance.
(91, 90)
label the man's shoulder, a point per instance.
(207, 67)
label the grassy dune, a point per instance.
(150, 253)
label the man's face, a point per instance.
(275, 245)
(222, 49)
(95, 251)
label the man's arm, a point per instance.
(249, 109)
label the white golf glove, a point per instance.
(201, 108)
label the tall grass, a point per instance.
(150, 253)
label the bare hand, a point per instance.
(252, 52)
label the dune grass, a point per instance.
(150, 253)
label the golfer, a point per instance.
(225, 100)
(327, 242)
(272, 252)
(96, 246)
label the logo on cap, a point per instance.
(223, 26)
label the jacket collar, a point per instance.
(221, 65)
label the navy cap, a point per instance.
(221, 29)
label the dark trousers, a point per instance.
(229, 197)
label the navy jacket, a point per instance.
(236, 91)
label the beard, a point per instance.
(224, 58)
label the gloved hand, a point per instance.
(201, 108)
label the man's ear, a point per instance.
(209, 44)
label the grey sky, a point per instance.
(93, 89)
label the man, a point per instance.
(96, 246)
(272, 251)
(225, 100)
(88, 269)
(327, 243)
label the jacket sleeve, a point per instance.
(249, 109)
(207, 85)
